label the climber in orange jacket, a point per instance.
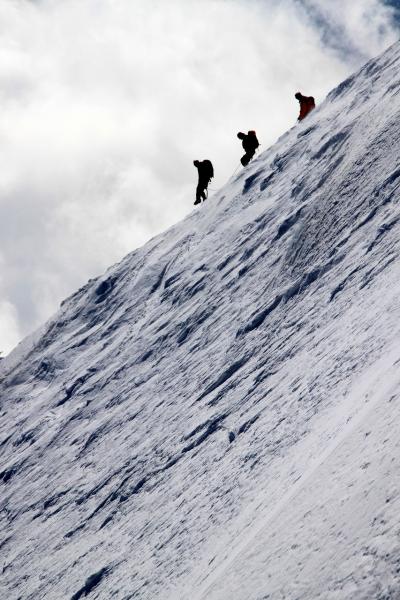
(307, 103)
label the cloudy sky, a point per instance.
(104, 104)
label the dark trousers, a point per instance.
(246, 158)
(201, 193)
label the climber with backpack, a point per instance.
(307, 104)
(250, 145)
(206, 173)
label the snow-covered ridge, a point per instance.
(217, 416)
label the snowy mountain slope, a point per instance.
(215, 417)
(325, 552)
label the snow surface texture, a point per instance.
(218, 416)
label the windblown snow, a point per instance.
(218, 416)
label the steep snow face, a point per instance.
(218, 415)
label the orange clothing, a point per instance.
(307, 103)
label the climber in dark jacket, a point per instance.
(250, 145)
(307, 104)
(206, 173)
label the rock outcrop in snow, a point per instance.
(218, 415)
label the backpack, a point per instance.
(207, 169)
(253, 137)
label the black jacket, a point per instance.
(205, 169)
(249, 141)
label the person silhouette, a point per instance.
(250, 145)
(206, 173)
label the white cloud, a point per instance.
(357, 30)
(105, 103)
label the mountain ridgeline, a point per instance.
(217, 416)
